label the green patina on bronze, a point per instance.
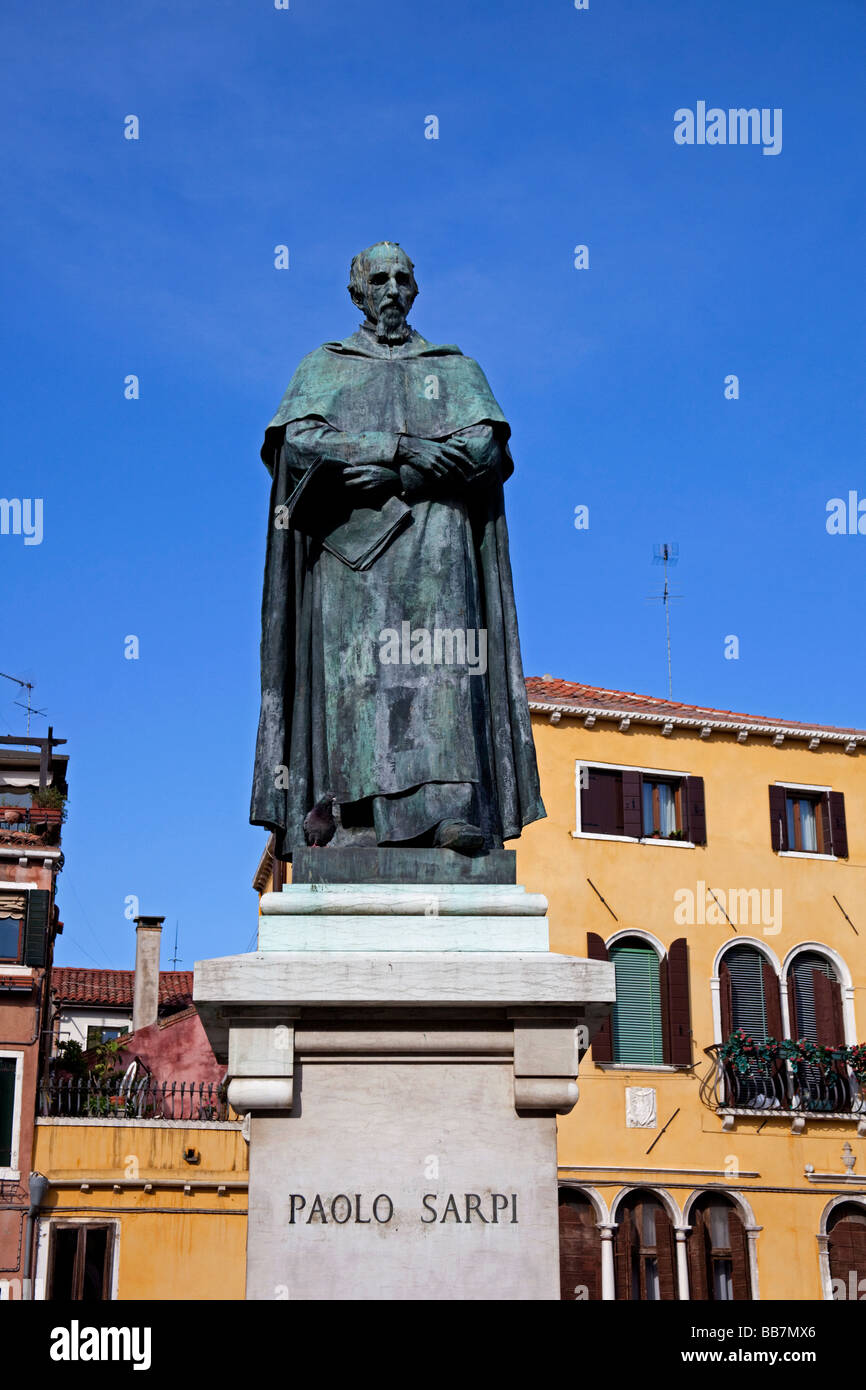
(411, 741)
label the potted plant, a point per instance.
(48, 806)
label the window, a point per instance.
(808, 820)
(11, 939)
(8, 1078)
(579, 1247)
(750, 1000)
(651, 1019)
(846, 1246)
(637, 1013)
(815, 1000)
(718, 1252)
(644, 1251)
(641, 804)
(97, 1034)
(79, 1261)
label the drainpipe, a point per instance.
(38, 1187)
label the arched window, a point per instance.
(645, 1250)
(579, 1247)
(815, 1000)
(718, 1252)
(750, 994)
(651, 1019)
(637, 1013)
(846, 1226)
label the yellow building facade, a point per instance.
(152, 1209)
(675, 837)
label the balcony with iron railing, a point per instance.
(789, 1079)
(23, 825)
(133, 1097)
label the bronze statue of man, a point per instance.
(391, 671)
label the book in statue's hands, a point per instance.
(357, 535)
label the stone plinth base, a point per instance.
(402, 1131)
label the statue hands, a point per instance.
(369, 477)
(434, 458)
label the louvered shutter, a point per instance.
(726, 1001)
(699, 1276)
(665, 1007)
(36, 928)
(632, 822)
(579, 1248)
(623, 1245)
(696, 816)
(601, 803)
(793, 1017)
(666, 1254)
(779, 818)
(838, 826)
(7, 1109)
(828, 1028)
(747, 991)
(679, 1014)
(602, 1043)
(772, 1001)
(637, 1019)
(739, 1258)
(847, 1250)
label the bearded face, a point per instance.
(386, 292)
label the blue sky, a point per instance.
(305, 127)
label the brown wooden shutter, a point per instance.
(838, 827)
(665, 1008)
(772, 1001)
(579, 1247)
(699, 1282)
(602, 1043)
(632, 821)
(679, 1015)
(779, 818)
(793, 1021)
(847, 1250)
(829, 1027)
(623, 1242)
(666, 1254)
(727, 1001)
(739, 1257)
(591, 804)
(696, 815)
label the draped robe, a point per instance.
(411, 739)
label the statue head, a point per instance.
(382, 283)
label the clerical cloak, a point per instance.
(344, 709)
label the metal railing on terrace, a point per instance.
(119, 1098)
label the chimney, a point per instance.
(145, 999)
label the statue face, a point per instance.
(389, 293)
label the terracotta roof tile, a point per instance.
(82, 985)
(552, 690)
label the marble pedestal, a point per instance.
(403, 1050)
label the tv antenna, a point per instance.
(667, 553)
(28, 687)
(175, 958)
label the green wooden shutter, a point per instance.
(36, 930)
(637, 1014)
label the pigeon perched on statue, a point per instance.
(319, 824)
